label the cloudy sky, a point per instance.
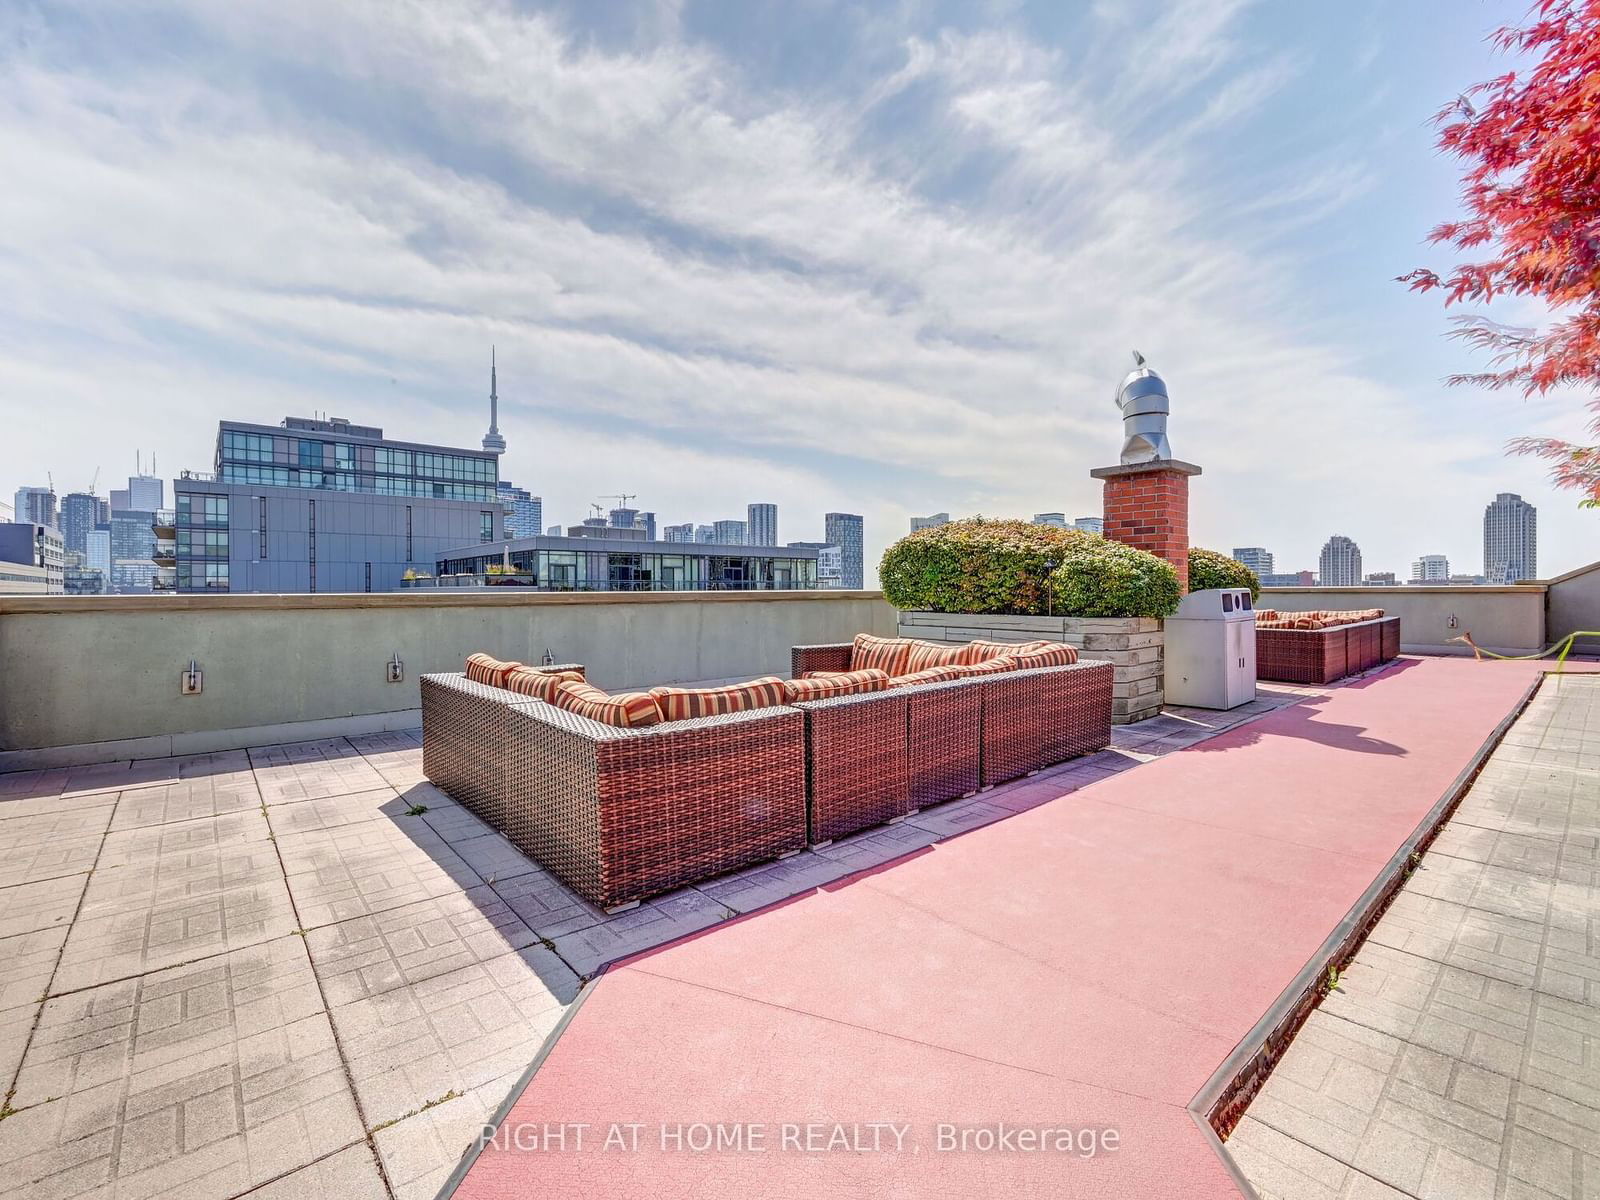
(888, 258)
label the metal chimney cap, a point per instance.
(1142, 397)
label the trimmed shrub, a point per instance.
(988, 566)
(1209, 569)
(1102, 578)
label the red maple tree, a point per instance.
(1532, 197)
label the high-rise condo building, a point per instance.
(1096, 525)
(1058, 520)
(729, 533)
(761, 524)
(1257, 558)
(524, 511)
(35, 506)
(678, 533)
(932, 522)
(1340, 563)
(844, 531)
(705, 533)
(1431, 568)
(81, 512)
(1510, 539)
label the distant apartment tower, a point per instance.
(1257, 558)
(524, 511)
(1094, 525)
(1510, 539)
(81, 512)
(1431, 568)
(705, 533)
(1382, 579)
(647, 522)
(1340, 563)
(325, 506)
(552, 531)
(678, 533)
(761, 524)
(35, 506)
(844, 531)
(929, 522)
(1058, 520)
(728, 533)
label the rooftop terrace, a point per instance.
(298, 968)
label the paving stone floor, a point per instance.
(304, 971)
(1459, 1056)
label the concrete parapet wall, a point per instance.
(88, 678)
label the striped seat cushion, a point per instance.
(930, 675)
(932, 654)
(824, 685)
(680, 704)
(541, 684)
(626, 710)
(991, 666)
(889, 655)
(1044, 654)
(1266, 614)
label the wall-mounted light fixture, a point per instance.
(190, 680)
(549, 659)
(1452, 620)
(397, 671)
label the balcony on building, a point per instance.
(164, 524)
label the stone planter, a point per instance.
(1132, 645)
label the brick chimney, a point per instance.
(1147, 505)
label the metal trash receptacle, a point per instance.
(1210, 648)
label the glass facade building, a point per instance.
(600, 564)
(325, 506)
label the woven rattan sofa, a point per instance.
(880, 756)
(618, 814)
(1323, 655)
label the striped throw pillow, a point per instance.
(1266, 614)
(484, 669)
(542, 685)
(930, 675)
(1044, 654)
(991, 666)
(889, 655)
(680, 704)
(931, 654)
(824, 685)
(626, 710)
(988, 651)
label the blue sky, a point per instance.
(883, 258)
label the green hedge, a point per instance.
(985, 566)
(1209, 569)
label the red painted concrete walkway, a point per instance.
(1088, 963)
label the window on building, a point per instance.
(486, 526)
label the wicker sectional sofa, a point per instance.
(1325, 654)
(619, 814)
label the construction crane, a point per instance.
(94, 481)
(622, 496)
